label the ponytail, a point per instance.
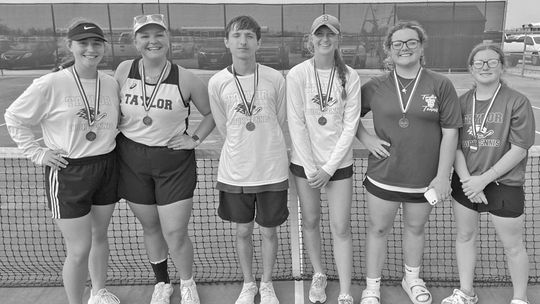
(342, 72)
(64, 65)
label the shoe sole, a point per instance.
(317, 301)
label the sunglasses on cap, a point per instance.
(142, 20)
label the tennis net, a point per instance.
(32, 251)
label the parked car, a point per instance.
(213, 54)
(514, 45)
(30, 52)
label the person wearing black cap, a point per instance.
(156, 155)
(323, 109)
(77, 109)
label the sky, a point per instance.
(522, 11)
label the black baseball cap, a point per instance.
(86, 30)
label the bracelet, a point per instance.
(196, 139)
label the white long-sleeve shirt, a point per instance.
(327, 146)
(54, 103)
(250, 158)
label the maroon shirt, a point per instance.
(414, 151)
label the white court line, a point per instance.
(2, 125)
(536, 107)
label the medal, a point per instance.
(91, 114)
(404, 121)
(481, 127)
(323, 99)
(147, 103)
(91, 136)
(250, 126)
(147, 120)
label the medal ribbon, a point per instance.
(487, 112)
(148, 103)
(251, 105)
(406, 108)
(323, 101)
(91, 120)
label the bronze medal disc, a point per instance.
(322, 120)
(250, 126)
(147, 121)
(91, 136)
(404, 122)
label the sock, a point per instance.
(411, 273)
(160, 271)
(373, 284)
(187, 282)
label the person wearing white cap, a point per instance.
(323, 110)
(416, 116)
(77, 109)
(156, 154)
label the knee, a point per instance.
(244, 233)
(378, 231)
(416, 229)
(341, 231)
(151, 228)
(515, 249)
(78, 254)
(268, 233)
(465, 236)
(99, 235)
(311, 223)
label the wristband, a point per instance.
(196, 139)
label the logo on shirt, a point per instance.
(431, 103)
(83, 114)
(241, 108)
(480, 133)
(329, 103)
(133, 85)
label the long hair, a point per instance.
(387, 44)
(340, 66)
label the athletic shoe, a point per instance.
(268, 295)
(317, 291)
(103, 296)
(189, 293)
(248, 293)
(345, 299)
(162, 293)
(459, 297)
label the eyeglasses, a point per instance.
(491, 63)
(411, 44)
(147, 18)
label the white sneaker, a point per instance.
(162, 293)
(268, 295)
(248, 293)
(317, 291)
(103, 296)
(345, 299)
(189, 293)
(459, 297)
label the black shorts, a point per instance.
(270, 207)
(503, 200)
(155, 175)
(340, 174)
(394, 196)
(85, 181)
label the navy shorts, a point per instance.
(155, 175)
(85, 181)
(394, 196)
(340, 174)
(503, 200)
(269, 208)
